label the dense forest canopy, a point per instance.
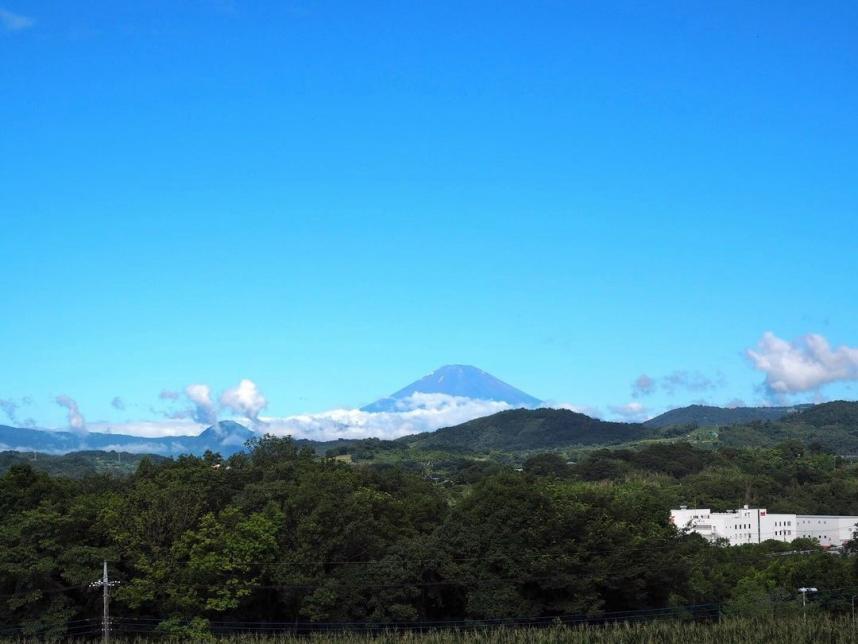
(281, 534)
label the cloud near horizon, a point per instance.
(631, 412)
(421, 412)
(804, 365)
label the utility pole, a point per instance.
(105, 585)
(804, 590)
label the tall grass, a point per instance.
(795, 629)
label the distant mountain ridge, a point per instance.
(710, 416)
(226, 437)
(456, 380)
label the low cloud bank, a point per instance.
(150, 428)
(418, 413)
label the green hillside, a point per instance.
(709, 416)
(839, 413)
(523, 430)
(831, 426)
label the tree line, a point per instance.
(279, 534)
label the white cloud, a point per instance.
(632, 412)
(150, 428)
(204, 410)
(245, 400)
(418, 413)
(421, 412)
(804, 365)
(76, 420)
(15, 22)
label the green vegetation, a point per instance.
(510, 437)
(76, 464)
(784, 629)
(709, 416)
(832, 426)
(528, 430)
(282, 535)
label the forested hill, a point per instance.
(529, 429)
(709, 416)
(831, 426)
(839, 412)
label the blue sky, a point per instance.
(333, 198)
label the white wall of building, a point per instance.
(828, 530)
(755, 525)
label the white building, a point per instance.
(755, 525)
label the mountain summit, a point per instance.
(457, 380)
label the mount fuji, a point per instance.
(456, 380)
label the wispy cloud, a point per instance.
(803, 365)
(10, 408)
(690, 381)
(204, 410)
(14, 21)
(632, 412)
(676, 381)
(76, 420)
(643, 385)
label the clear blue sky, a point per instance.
(333, 198)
